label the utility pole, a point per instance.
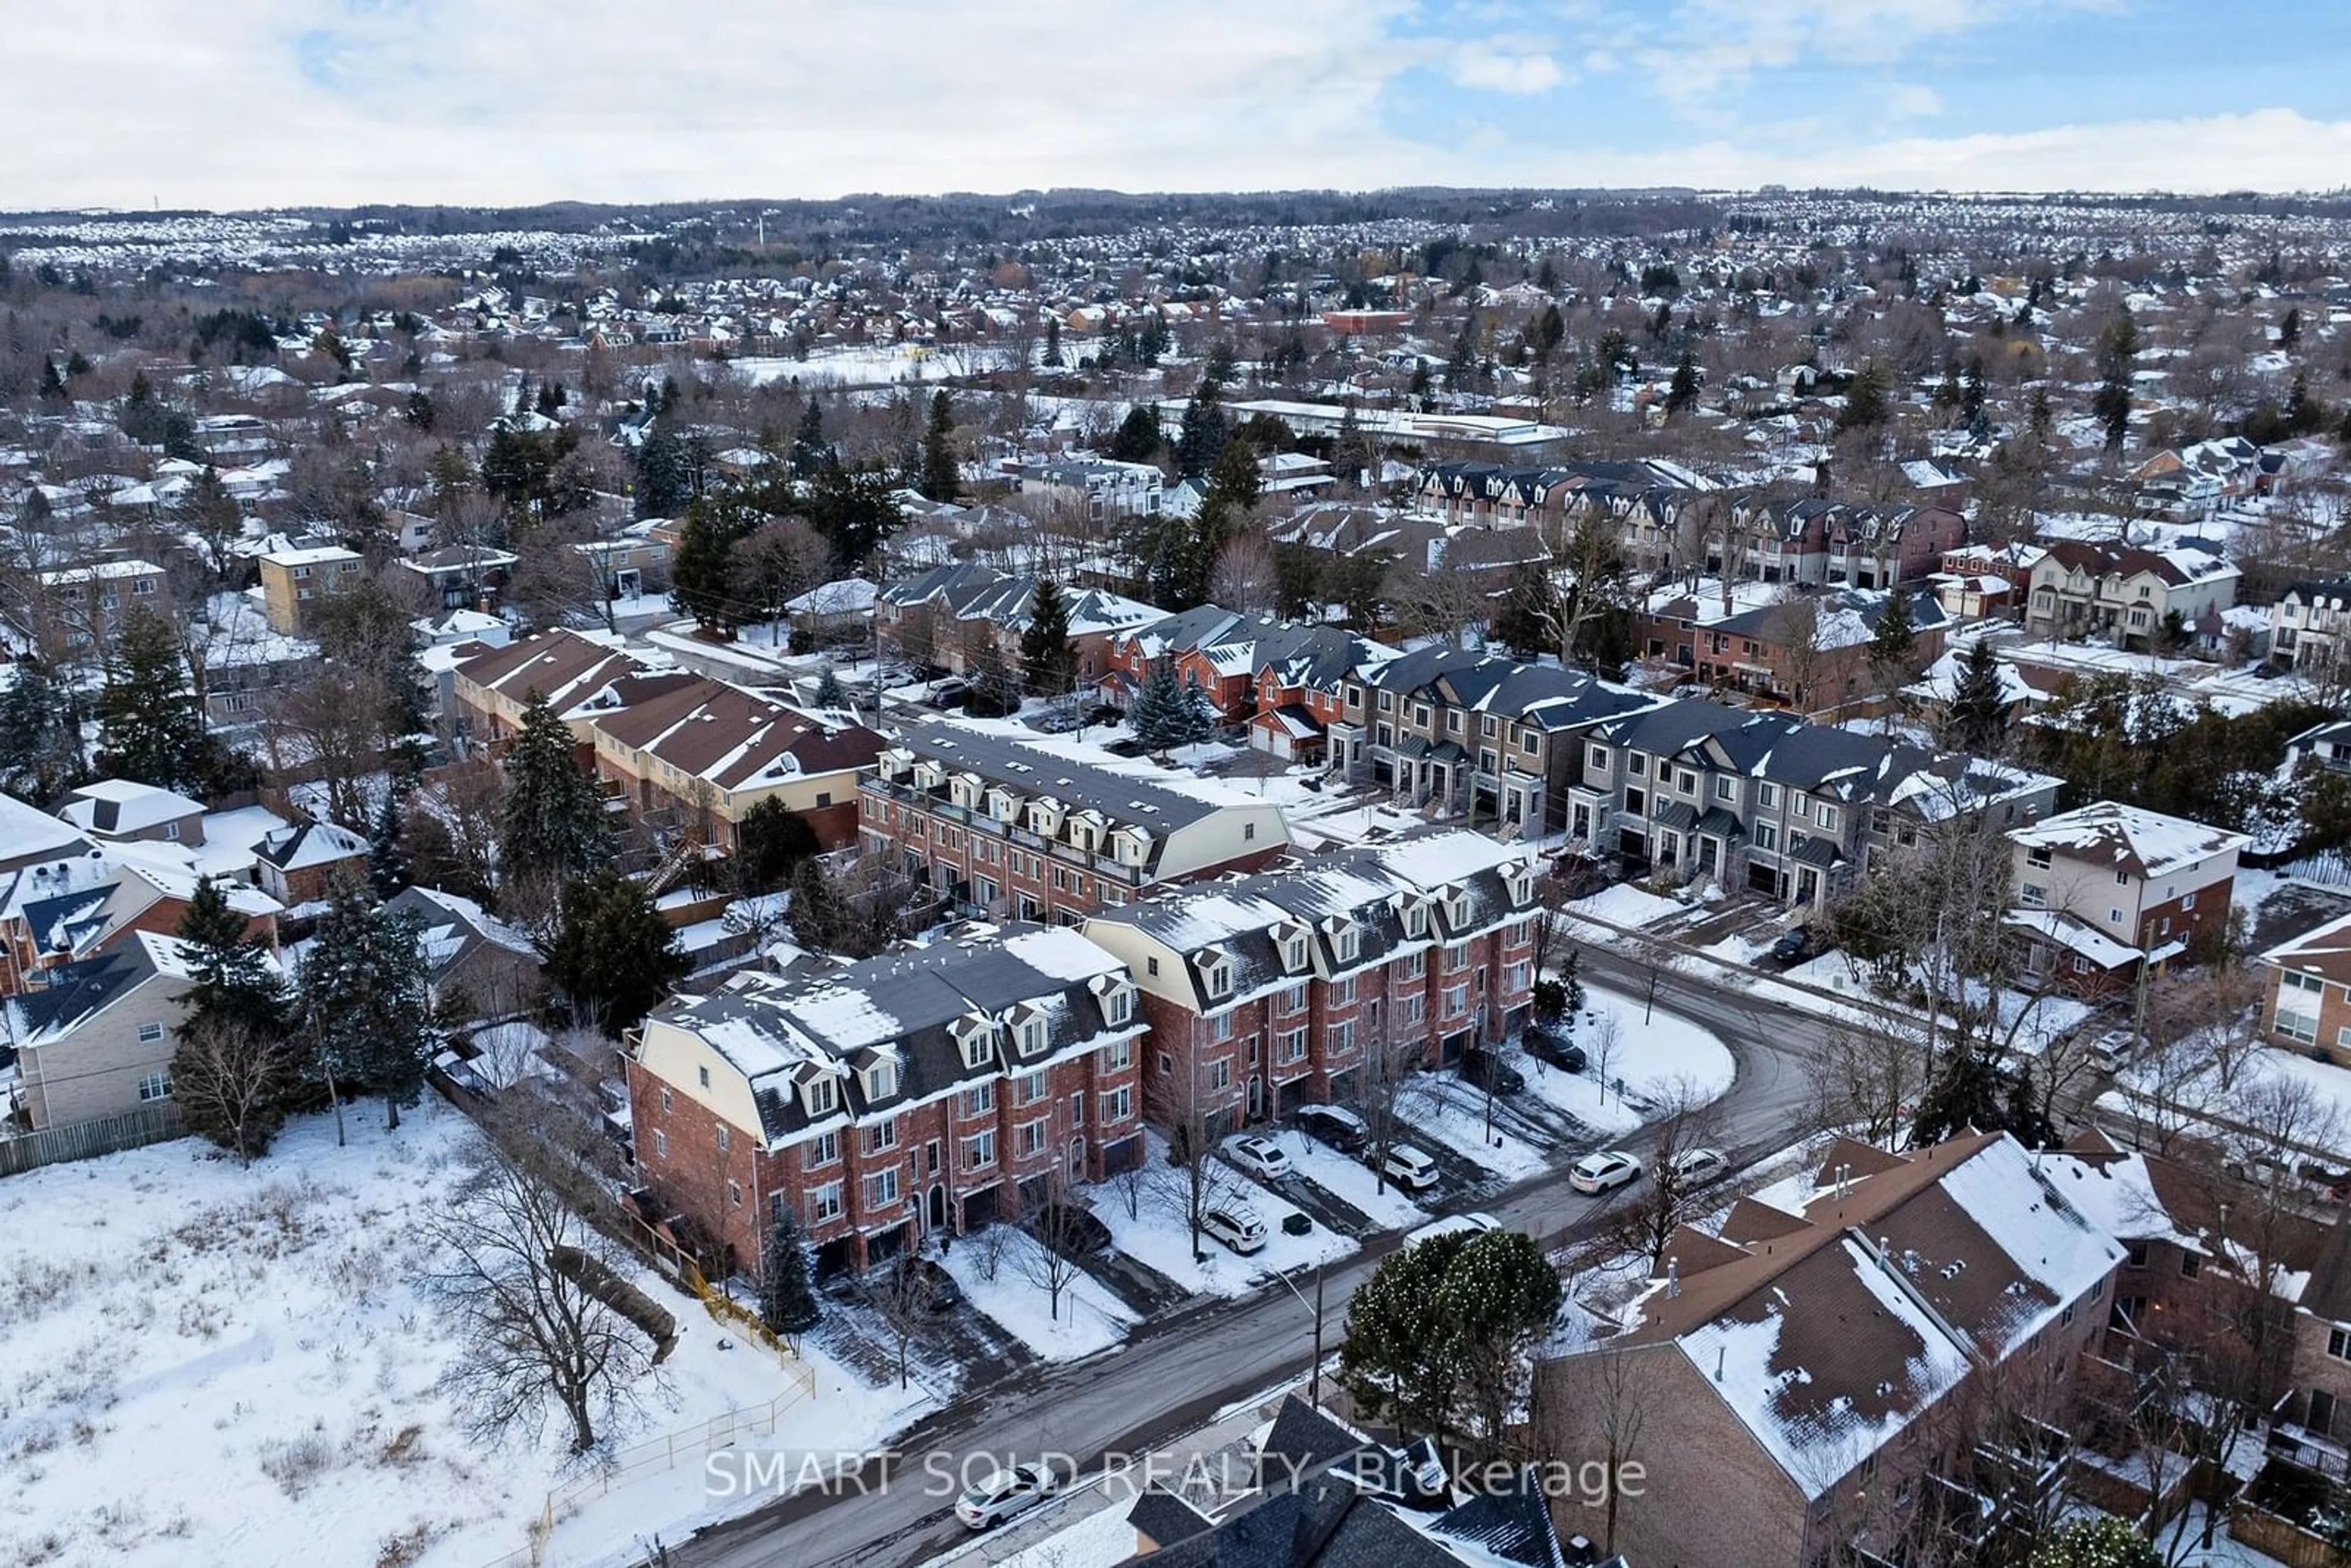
(1314, 1384)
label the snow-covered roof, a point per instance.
(2129, 838)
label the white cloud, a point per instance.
(1911, 100)
(1482, 66)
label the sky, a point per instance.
(255, 103)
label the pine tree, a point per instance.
(53, 385)
(1199, 715)
(2290, 329)
(1683, 391)
(1976, 719)
(810, 452)
(1158, 713)
(1137, 439)
(150, 727)
(232, 975)
(1895, 642)
(235, 1070)
(786, 1304)
(828, 692)
(1201, 436)
(552, 821)
(702, 568)
(1052, 360)
(614, 958)
(365, 1002)
(40, 735)
(1865, 400)
(941, 480)
(388, 868)
(664, 471)
(1048, 659)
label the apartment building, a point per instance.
(2124, 593)
(2308, 1002)
(1292, 986)
(294, 581)
(1008, 829)
(2103, 890)
(1474, 735)
(82, 607)
(707, 753)
(1805, 1371)
(1763, 800)
(921, 1093)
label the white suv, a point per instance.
(1238, 1225)
(1603, 1172)
(1409, 1168)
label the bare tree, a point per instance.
(1675, 1195)
(1873, 1068)
(231, 1080)
(1387, 1094)
(531, 1285)
(1053, 1217)
(904, 1298)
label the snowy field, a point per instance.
(213, 1364)
(1158, 1237)
(1014, 1296)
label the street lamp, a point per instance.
(1314, 1378)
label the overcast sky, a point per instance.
(248, 103)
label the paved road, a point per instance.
(1176, 1373)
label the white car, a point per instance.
(1603, 1172)
(1408, 1168)
(1007, 1494)
(1693, 1166)
(2112, 1049)
(1238, 1225)
(1260, 1157)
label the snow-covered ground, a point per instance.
(1650, 1061)
(207, 1363)
(1351, 1181)
(1090, 1317)
(1159, 1236)
(1453, 1113)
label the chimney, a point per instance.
(1673, 1278)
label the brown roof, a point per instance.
(707, 729)
(562, 666)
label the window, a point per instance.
(667, 1104)
(1340, 1037)
(702, 1076)
(881, 1081)
(2136, 1252)
(979, 1100)
(979, 1151)
(1636, 801)
(1766, 796)
(1767, 837)
(734, 1195)
(1725, 789)
(1220, 1026)
(1077, 1110)
(1457, 956)
(1293, 1000)
(660, 1139)
(1687, 781)
(1249, 832)
(824, 1203)
(1032, 1036)
(1150, 965)
(158, 1086)
(1637, 764)
(1456, 1000)
(2032, 894)
(1220, 1074)
(2338, 1343)
(2113, 917)
(2190, 1265)
(823, 1094)
(1117, 1104)
(1119, 1057)
(1030, 1089)
(1290, 1045)
(726, 1138)
(880, 1138)
(882, 1188)
(1827, 817)
(149, 1033)
(1515, 977)
(823, 1150)
(1031, 1135)
(2038, 856)
(1412, 966)
(1597, 757)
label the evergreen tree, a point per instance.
(1436, 1339)
(40, 735)
(1201, 436)
(2290, 329)
(365, 1002)
(1895, 641)
(941, 480)
(702, 568)
(388, 868)
(1571, 979)
(1048, 659)
(1866, 406)
(855, 510)
(786, 1304)
(1162, 713)
(1976, 719)
(234, 1070)
(614, 958)
(232, 975)
(53, 385)
(810, 452)
(1052, 360)
(2103, 1541)
(771, 843)
(151, 726)
(1350, 450)
(552, 820)
(828, 692)
(1683, 391)
(1137, 439)
(664, 471)
(143, 419)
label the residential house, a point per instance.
(2308, 1005)
(1803, 1370)
(1809, 651)
(1814, 542)
(1473, 734)
(118, 810)
(294, 580)
(59, 912)
(1300, 675)
(1298, 985)
(1095, 488)
(1766, 801)
(29, 836)
(98, 1039)
(2328, 745)
(309, 862)
(463, 577)
(963, 616)
(706, 753)
(580, 676)
(928, 1091)
(2108, 888)
(2307, 623)
(2191, 484)
(82, 607)
(2124, 593)
(479, 967)
(1011, 830)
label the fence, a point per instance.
(153, 1123)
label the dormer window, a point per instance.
(1030, 1033)
(1415, 914)
(1216, 974)
(1291, 941)
(972, 1038)
(1117, 998)
(821, 1095)
(1457, 908)
(1519, 878)
(881, 1081)
(1346, 941)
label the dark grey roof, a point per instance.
(1166, 1517)
(77, 991)
(1035, 772)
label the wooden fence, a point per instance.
(153, 1123)
(2291, 1544)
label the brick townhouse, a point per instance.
(2308, 1004)
(926, 1092)
(1811, 652)
(1011, 830)
(1265, 992)
(2107, 888)
(1767, 801)
(1478, 735)
(959, 616)
(1800, 1378)
(1286, 683)
(1818, 542)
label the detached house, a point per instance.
(2307, 624)
(1267, 992)
(932, 1090)
(1013, 830)
(2308, 1004)
(2108, 888)
(305, 864)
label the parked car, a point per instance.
(1549, 1045)
(1604, 1171)
(1487, 1071)
(940, 1293)
(1007, 1494)
(1236, 1225)
(1408, 1168)
(1260, 1157)
(2111, 1050)
(1333, 1126)
(948, 693)
(1070, 1229)
(1693, 1168)
(1795, 946)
